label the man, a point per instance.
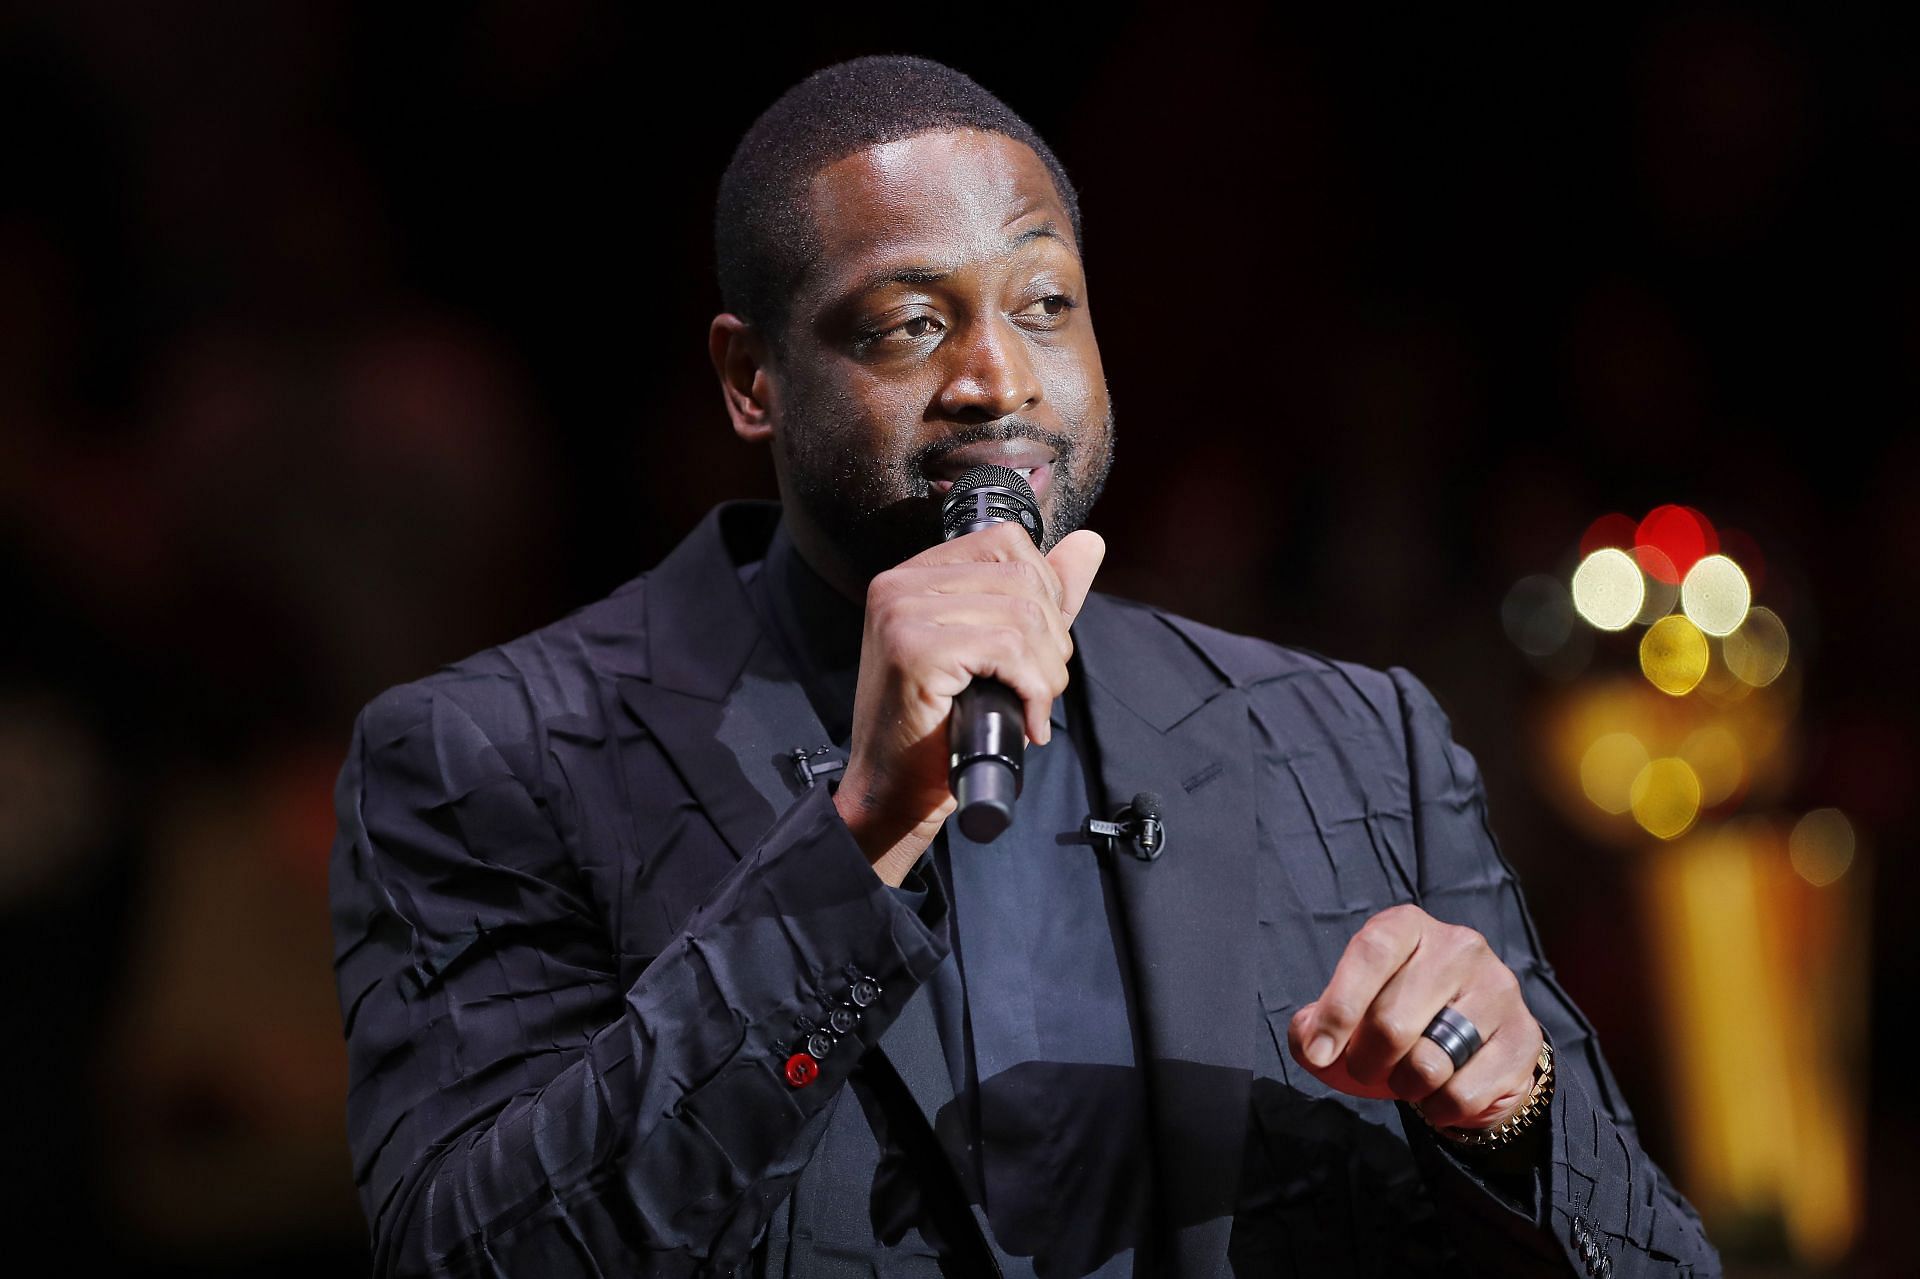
(635, 980)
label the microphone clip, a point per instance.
(1137, 828)
(806, 771)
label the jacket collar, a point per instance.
(701, 628)
(1165, 718)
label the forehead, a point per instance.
(944, 197)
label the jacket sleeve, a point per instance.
(512, 1109)
(1596, 1205)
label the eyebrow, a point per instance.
(924, 275)
(1045, 230)
(906, 275)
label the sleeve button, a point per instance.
(842, 1020)
(819, 1044)
(802, 1070)
(864, 992)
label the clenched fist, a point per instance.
(986, 604)
(1363, 1035)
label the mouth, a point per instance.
(1032, 461)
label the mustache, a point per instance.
(928, 456)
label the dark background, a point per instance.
(339, 340)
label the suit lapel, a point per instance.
(719, 699)
(725, 708)
(1165, 720)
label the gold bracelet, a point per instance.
(1509, 1129)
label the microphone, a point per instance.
(986, 738)
(1137, 826)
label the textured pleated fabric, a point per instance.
(581, 906)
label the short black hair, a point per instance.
(762, 233)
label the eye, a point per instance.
(1050, 310)
(881, 335)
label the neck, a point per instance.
(821, 556)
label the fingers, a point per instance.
(994, 579)
(1364, 1035)
(1006, 542)
(1375, 954)
(1492, 1084)
(1445, 959)
(1010, 638)
(1076, 559)
(1025, 581)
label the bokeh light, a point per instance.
(1721, 687)
(1821, 846)
(1608, 590)
(1674, 655)
(1756, 651)
(1614, 530)
(1681, 534)
(1715, 595)
(1666, 797)
(1716, 758)
(1538, 615)
(1608, 769)
(1662, 584)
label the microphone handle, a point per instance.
(986, 738)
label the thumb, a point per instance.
(1076, 559)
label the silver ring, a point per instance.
(1458, 1038)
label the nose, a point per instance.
(992, 375)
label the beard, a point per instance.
(879, 509)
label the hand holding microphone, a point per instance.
(983, 605)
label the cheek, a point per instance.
(1075, 382)
(887, 399)
(884, 417)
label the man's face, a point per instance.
(943, 325)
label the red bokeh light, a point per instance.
(1609, 530)
(1681, 534)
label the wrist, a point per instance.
(1520, 1124)
(892, 844)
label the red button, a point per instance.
(802, 1070)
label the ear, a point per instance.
(740, 356)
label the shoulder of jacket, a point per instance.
(548, 674)
(1255, 664)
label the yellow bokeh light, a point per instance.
(1666, 797)
(1608, 768)
(1821, 846)
(1721, 687)
(1608, 589)
(1757, 651)
(1674, 655)
(1715, 756)
(1715, 595)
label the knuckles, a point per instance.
(1400, 916)
(1375, 944)
(1392, 1028)
(1469, 941)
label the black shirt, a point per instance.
(1032, 1008)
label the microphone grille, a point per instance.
(988, 494)
(1145, 804)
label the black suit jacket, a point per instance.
(580, 898)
